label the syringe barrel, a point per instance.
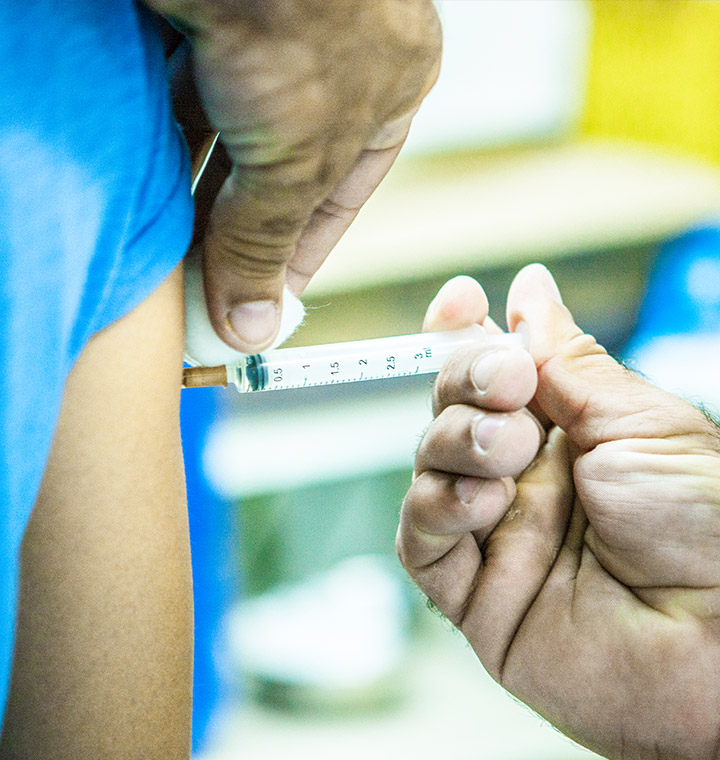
(352, 361)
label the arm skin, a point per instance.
(313, 100)
(103, 664)
(589, 583)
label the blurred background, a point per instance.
(585, 135)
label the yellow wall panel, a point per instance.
(654, 74)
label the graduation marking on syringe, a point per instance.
(335, 363)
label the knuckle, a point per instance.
(584, 348)
(423, 491)
(433, 507)
(440, 391)
(291, 182)
(335, 210)
(452, 428)
(448, 444)
(420, 453)
(453, 384)
(261, 233)
(400, 548)
(250, 255)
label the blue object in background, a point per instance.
(213, 542)
(683, 291)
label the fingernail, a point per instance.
(485, 430)
(485, 368)
(522, 330)
(255, 322)
(547, 281)
(466, 488)
(430, 314)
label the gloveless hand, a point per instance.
(588, 583)
(313, 100)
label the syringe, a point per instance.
(348, 362)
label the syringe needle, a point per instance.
(200, 160)
(204, 377)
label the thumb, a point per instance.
(249, 240)
(271, 226)
(580, 387)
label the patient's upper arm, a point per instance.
(104, 650)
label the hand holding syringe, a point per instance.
(352, 361)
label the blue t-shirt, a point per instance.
(95, 211)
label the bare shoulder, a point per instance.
(104, 652)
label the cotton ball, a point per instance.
(202, 344)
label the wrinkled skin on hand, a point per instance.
(586, 577)
(313, 100)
